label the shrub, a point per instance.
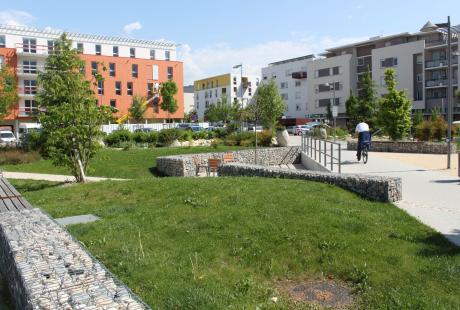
(186, 135)
(264, 138)
(35, 141)
(423, 131)
(14, 156)
(140, 137)
(216, 142)
(439, 129)
(167, 136)
(118, 137)
(198, 135)
(220, 133)
(247, 143)
(236, 137)
(152, 138)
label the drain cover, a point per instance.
(326, 294)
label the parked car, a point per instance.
(194, 128)
(8, 138)
(147, 130)
(183, 126)
(300, 129)
(291, 129)
(256, 128)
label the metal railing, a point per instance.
(327, 153)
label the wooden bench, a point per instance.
(11, 199)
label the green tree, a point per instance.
(191, 116)
(138, 108)
(395, 108)
(220, 112)
(367, 98)
(329, 115)
(167, 92)
(417, 118)
(351, 106)
(457, 94)
(70, 117)
(268, 104)
(8, 93)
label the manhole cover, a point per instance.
(326, 294)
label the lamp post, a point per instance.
(241, 90)
(332, 88)
(432, 27)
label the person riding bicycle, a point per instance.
(364, 136)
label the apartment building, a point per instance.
(419, 59)
(189, 99)
(233, 87)
(133, 67)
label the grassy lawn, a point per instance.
(233, 242)
(130, 164)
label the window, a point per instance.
(29, 66)
(155, 72)
(167, 55)
(335, 70)
(323, 72)
(51, 45)
(388, 62)
(250, 91)
(98, 49)
(149, 90)
(235, 89)
(152, 53)
(206, 105)
(134, 69)
(100, 87)
(80, 48)
(94, 67)
(419, 77)
(30, 87)
(323, 102)
(112, 69)
(224, 91)
(115, 51)
(2, 41)
(234, 80)
(29, 45)
(113, 103)
(29, 106)
(132, 52)
(419, 59)
(118, 88)
(297, 107)
(170, 73)
(284, 96)
(297, 95)
(284, 85)
(298, 83)
(129, 87)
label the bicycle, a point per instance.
(366, 147)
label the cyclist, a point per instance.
(364, 135)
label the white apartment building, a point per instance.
(189, 99)
(233, 87)
(419, 59)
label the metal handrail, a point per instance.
(321, 150)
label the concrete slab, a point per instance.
(80, 219)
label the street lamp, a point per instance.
(332, 88)
(432, 27)
(241, 91)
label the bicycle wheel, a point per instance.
(365, 154)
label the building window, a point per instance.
(250, 91)
(224, 91)
(29, 45)
(234, 80)
(115, 51)
(98, 49)
(113, 103)
(51, 45)
(29, 66)
(298, 83)
(129, 88)
(388, 62)
(284, 85)
(80, 48)
(170, 73)
(94, 67)
(297, 107)
(112, 69)
(2, 41)
(152, 54)
(132, 52)
(322, 73)
(100, 87)
(30, 87)
(235, 90)
(155, 72)
(134, 69)
(29, 107)
(118, 88)
(167, 55)
(284, 96)
(149, 90)
(335, 70)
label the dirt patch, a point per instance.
(326, 293)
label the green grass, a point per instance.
(130, 164)
(231, 242)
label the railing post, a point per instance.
(325, 154)
(319, 151)
(340, 158)
(332, 157)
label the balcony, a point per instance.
(27, 111)
(440, 63)
(28, 91)
(439, 83)
(32, 50)
(29, 70)
(300, 75)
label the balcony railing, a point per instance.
(439, 83)
(27, 111)
(28, 90)
(30, 70)
(440, 63)
(363, 68)
(299, 75)
(33, 49)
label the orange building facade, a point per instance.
(133, 67)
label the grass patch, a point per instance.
(110, 163)
(229, 242)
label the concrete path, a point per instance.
(79, 219)
(50, 177)
(432, 196)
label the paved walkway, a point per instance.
(430, 195)
(50, 177)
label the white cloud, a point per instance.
(129, 28)
(220, 58)
(16, 18)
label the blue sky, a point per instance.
(214, 35)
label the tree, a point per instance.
(138, 108)
(395, 108)
(220, 112)
(367, 98)
(167, 92)
(191, 116)
(8, 93)
(457, 94)
(329, 115)
(69, 115)
(351, 106)
(269, 104)
(417, 118)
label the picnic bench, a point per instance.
(10, 198)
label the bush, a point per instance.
(167, 136)
(423, 131)
(264, 138)
(14, 156)
(140, 137)
(118, 137)
(152, 138)
(439, 129)
(216, 143)
(35, 141)
(198, 135)
(220, 133)
(247, 143)
(236, 137)
(186, 135)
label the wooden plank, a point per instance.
(10, 187)
(25, 203)
(9, 205)
(2, 207)
(2, 192)
(5, 188)
(17, 204)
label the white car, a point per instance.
(7, 138)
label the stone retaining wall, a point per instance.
(47, 269)
(406, 147)
(183, 166)
(371, 187)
